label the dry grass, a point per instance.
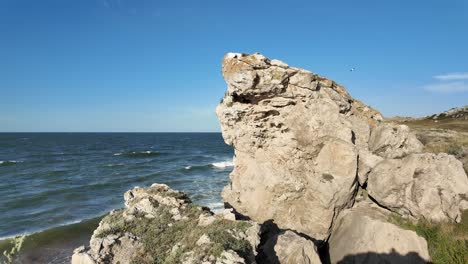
(446, 136)
(459, 125)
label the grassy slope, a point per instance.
(448, 243)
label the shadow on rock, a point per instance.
(383, 258)
(286, 246)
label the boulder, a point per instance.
(288, 247)
(367, 161)
(362, 235)
(393, 141)
(429, 186)
(296, 137)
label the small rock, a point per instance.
(204, 240)
(228, 214)
(205, 220)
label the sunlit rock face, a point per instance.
(296, 137)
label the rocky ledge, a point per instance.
(161, 225)
(317, 174)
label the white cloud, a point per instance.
(447, 87)
(452, 76)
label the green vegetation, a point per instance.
(447, 242)
(165, 240)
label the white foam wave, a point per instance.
(149, 152)
(216, 207)
(188, 167)
(115, 165)
(8, 161)
(223, 164)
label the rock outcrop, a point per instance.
(296, 143)
(304, 148)
(429, 186)
(303, 145)
(364, 235)
(460, 113)
(160, 225)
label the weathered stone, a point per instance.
(362, 235)
(393, 141)
(367, 161)
(118, 241)
(230, 257)
(204, 240)
(430, 186)
(206, 219)
(228, 214)
(290, 248)
(82, 258)
(295, 144)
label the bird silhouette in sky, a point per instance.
(352, 69)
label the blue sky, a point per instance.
(142, 65)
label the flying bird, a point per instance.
(352, 69)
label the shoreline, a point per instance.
(53, 245)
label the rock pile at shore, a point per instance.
(161, 225)
(304, 148)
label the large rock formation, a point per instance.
(160, 225)
(296, 137)
(364, 235)
(303, 148)
(303, 145)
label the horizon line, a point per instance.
(5, 132)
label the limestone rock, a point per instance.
(290, 248)
(296, 137)
(430, 186)
(228, 214)
(367, 161)
(362, 235)
(206, 219)
(81, 257)
(393, 141)
(230, 257)
(159, 219)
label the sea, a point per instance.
(55, 187)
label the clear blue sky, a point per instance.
(141, 65)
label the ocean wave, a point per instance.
(223, 164)
(71, 228)
(115, 165)
(139, 154)
(8, 162)
(216, 207)
(217, 165)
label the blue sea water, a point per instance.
(54, 179)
